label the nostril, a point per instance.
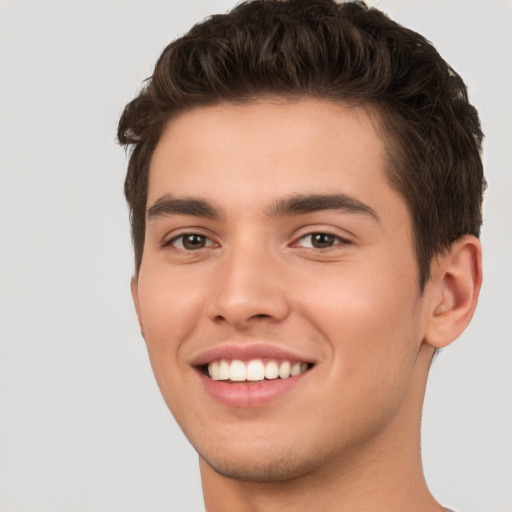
(226, 318)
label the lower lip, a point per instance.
(247, 395)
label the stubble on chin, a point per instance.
(264, 467)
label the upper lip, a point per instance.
(246, 352)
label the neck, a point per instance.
(384, 474)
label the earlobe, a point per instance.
(455, 286)
(134, 287)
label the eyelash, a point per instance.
(337, 240)
(208, 242)
(184, 236)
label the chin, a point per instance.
(272, 469)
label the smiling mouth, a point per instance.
(254, 370)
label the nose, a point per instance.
(248, 288)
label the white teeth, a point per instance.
(284, 369)
(295, 369)
(272, 370)
(213, 370)
(254, 370)
(224, 370)
(238, 371)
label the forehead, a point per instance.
(270, 148)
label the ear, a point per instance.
(134, 287)
(454, 288)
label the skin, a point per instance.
(346, 437)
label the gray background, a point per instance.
(83, 427)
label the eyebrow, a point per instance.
(168, 205)
(302, 204)
(288, 206)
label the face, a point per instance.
(278, 293)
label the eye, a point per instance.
(190, 242)
(319, 240)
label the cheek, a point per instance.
(370, 318)
(166, 302)
(370, 323)
(169, 309)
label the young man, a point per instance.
(305, 188)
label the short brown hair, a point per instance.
(337, 51)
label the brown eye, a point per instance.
(191, 242)
(320, 241)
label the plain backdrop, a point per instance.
(83, 426)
